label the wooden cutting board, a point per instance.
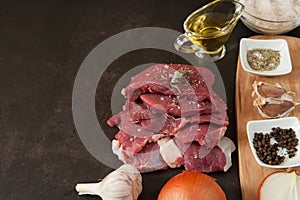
(251, 174)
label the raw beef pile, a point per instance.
(172, 118)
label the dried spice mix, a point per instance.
(263, 59)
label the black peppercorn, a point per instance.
(267, 152)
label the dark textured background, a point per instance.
(42, 45)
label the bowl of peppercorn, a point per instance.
(275, 142)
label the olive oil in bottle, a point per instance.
(207, 30)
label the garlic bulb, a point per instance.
(125, 183)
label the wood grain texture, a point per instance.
(251, 174)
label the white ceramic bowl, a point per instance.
(271, 16)
(285, 65)
(269, 27)
(266, 126)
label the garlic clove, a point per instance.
(273, 101)
(267, 90)
(270, 91)
(274, 109)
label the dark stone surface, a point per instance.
(42, 45)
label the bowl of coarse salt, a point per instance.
(271, 16)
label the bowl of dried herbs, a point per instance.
(268, 57)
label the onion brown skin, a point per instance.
(191, 185)
(263, 181)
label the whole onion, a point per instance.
(191, 185)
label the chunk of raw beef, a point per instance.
(158, 78)
(170, 152)
(218, 159)
(147, 160)
(204, 133)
